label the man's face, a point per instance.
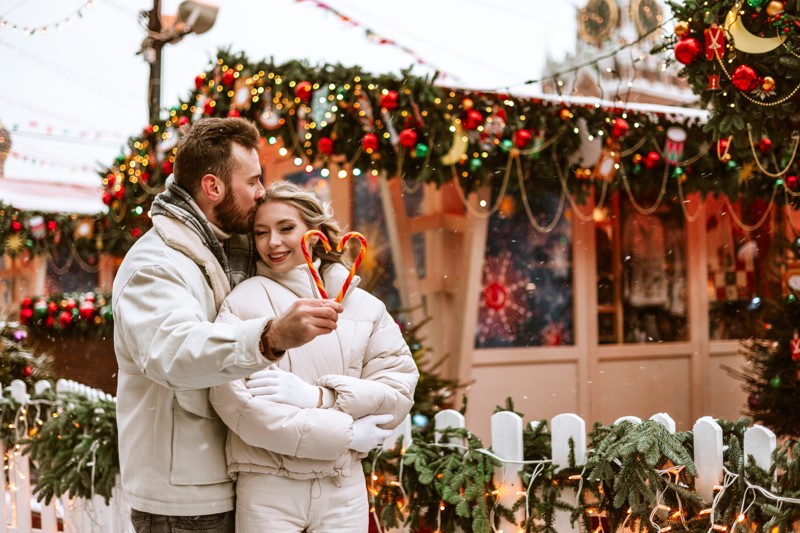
(237, 209)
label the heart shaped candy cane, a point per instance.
(307, 255)
(339, 247)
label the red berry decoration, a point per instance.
(389, 101)
(228, 77)
(744, 78)
(765, 145)
(408, 138)
(325, 145)
(619, 127)
(16, 226)
(522, 138)
(303, 91)
(472, 119)
(27, 371)
(652, 159)
(687, 50)
(369, 142)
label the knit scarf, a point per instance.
(236, 255)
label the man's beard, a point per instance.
(231, 217)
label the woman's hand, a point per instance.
(279, 386)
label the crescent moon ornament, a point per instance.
(458, 148)
(745, 41)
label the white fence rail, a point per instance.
(507, 433)
(18, 506)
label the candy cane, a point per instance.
(310, 262)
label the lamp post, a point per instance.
(193, 16)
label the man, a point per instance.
(169, 349)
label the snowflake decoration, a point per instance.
(503, 306)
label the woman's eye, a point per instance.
(287, 229)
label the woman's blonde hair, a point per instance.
(315, 215)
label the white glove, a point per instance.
(367, 434)
(279, 386)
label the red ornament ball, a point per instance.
(228, 77)
(765, 145)
(208, 107)
(145, 177)
(369, 142)
(25, 315)
(199, 81)
(303, 91)
(687, 50)
(49, 322)
(183, 121)
(325, 145)
(65, 319)
(233, 113)
(472, 119)
(652, 159)
(71, 303)
(389, 101)
(408, 138)
(166, 167)
(522, 138)
(16, 226)
(27, 371)
(52, 226)
(119, 194)
(136, 232)
(744, 78)
(619, 127)
(107, 198)
(26, 302)
(792, 182)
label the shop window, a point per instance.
(641, 273)
(527, 292)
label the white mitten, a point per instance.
(367, 434)
(280, 386)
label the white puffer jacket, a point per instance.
(365, 361)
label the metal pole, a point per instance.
(154, 87)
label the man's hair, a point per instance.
(205, 147)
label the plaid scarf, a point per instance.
(236, 255)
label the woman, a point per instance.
(299, 429)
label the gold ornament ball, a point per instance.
(681, 28)
(637, 158)
(768, 83)
(467, 104)
(566, 114)
(774, 8)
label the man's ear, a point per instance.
(213, 187)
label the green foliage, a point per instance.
(18, 360)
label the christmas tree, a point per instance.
(772, 373)
(19, 361)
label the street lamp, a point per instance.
(193, 16)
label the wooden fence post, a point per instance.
(707, 456)
(563, 428)
(507, 444)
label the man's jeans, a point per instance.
(156, 523)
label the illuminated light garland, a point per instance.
(6, 24)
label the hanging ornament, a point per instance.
(233, 113)
(184, 120)
(619, 127)
(607, 165)
(475, 164)
(459, 146)
(84, 229)
(408, 138)
(723, 149)
(40, 309)
(775, 8)
(302, 91)
(493, 130)
(241, 95)
(794, 344)
(715, 42)
(687, 50)
(565, 114)
(752, 400)
(765, 145)
(390, 100)
(27, 371)
(228, 77)
(756, 4)
(467, 104)
(472, 119)
(369, 142)
(681, 29)
(65, 319)
(775, 382)
(745, 41)
(792, 182)
(86, 310)
(673, 147)
(25, 316)
(713, 83)
(652, 160)
(325, 145)
(36, 225)
(764, 87)
(421, 150)
(208, 107)
(744, 78)
(16, 226)
(522, 138)
(269, 117)
(199, 81)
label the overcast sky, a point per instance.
(73, 96)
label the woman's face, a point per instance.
(279, 231)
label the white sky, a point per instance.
(75, 95)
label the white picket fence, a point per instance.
(506, 443)
(94, 516)
(76, 515)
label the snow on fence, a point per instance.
(70, 515)
(507, 445)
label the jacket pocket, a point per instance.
(198, 441)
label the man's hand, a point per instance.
(305, 320)
(280, 386)
(367, 434)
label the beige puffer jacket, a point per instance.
(365, 361)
